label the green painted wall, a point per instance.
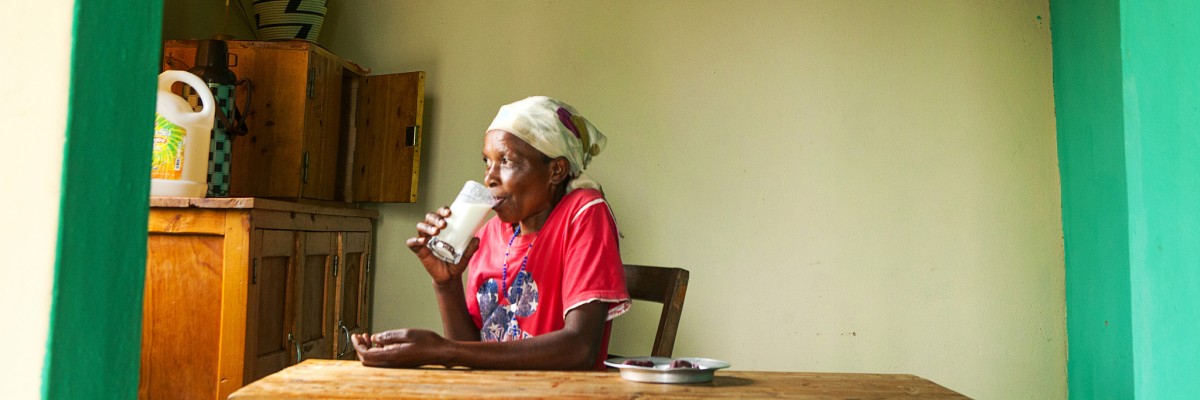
(1129, 137)
(1161, 76)
(95, 324)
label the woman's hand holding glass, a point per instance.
(441, 271)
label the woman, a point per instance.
(545, 275)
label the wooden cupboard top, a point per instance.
(280, 45)
(258, 204)
(328, 379)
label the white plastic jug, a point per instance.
(180, 165)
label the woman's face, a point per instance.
(519, 177)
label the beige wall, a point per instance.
(192, 19)
(857, 186)
(34, 111)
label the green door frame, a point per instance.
(94, 346)
(1129, 158)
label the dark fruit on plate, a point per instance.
(682, 364)
(640, 363)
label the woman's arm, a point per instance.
(572, 348)
(457, 323)
(447, 278)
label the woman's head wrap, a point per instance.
(555, 129)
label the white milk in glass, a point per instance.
(467, 214)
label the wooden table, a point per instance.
(328, 379)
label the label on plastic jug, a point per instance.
(168, 149)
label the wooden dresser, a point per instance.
(238, 288)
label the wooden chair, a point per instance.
(660, 285)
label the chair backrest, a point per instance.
(661, 285)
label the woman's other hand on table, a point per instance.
(442, 272)
(400, 348)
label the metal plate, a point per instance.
(662, 371)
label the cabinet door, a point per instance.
(268, 160)
(182, 316)
(353, 284)
(269, 311)
(314, 320)
(387, 139)
(322, 127)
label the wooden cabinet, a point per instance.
(238, 288)
(318, 126)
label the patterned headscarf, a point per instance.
(555, 129)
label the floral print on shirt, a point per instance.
(500, 321)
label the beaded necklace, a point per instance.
(504, 270)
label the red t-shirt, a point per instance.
(573, 260)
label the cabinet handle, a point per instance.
(304, 168)
(366, 280)
(346, 335)
(312, 78)
(296, 345)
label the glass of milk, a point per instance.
(467, 214)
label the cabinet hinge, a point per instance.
(335, 266)
(254, 273)
(312, 82)
(304, 168)
(368, 267)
